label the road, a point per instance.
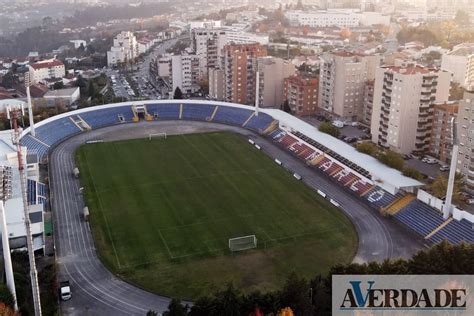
(97, 292)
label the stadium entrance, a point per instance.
(140, 112)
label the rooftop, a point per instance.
(61, 93)
(47, 64)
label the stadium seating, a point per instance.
(259, 123)
(360, 187)
(107, 117)
(164, 111)
(419, 217)
(200, 112)
(31, 191)
(455, 232)
(287, 140)
(277, 134)
(381, 198)
(34, 146)
(56, 131)
(232, 116)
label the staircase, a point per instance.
(213, 113)
(248, 120)
(449, 220)
(398, 204)
(273, 126)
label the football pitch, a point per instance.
(162, 212)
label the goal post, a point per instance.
(242, 243)
(156, 135)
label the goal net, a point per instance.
(242, 243)
(156, 135)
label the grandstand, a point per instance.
(359, 174)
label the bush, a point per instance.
(392, 159)
(412, 173)
(330, 129)
(367, 148)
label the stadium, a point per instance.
(192, 194)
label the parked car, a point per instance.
(444, 168)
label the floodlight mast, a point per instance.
(30, 105)
(29, 240)
(447, 209)
(7, 259)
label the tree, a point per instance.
(80, 82)
(58, 85)
(286, 107)
(151, 313)
(456, 92)
(178, 95)
(330, 129)
(8, 80)
(296, 295)
(392, 159)
(412, 173)
(91, 90)
(175, 308)
(6, 296)
(439, 186)
(367, 148)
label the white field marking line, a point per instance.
(166, 245)
(207, 176)
(79, 271)
(94, 266)
(102, 211)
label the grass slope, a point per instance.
(162, 212)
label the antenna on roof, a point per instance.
(30, 106)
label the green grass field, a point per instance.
(162, 212)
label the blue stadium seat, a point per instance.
(164, 111)
(231, 116)
(34, 146)
(259, 123)
(107, 117)
(31, 191)
(381, 198)
(420, 217)
(57, 130)
(455, 232)
(199, 112)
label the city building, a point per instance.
(46, 69)
(216, 84)
(368, 102)
(460, 62)
(465, 128)
(441, 144)
(343, 76)
(124, 49)
(64, 97)
(302, 95)
(272, 73)
(402, 112)
(240, 66)
(207, 44)
(185, 73)
(336, 17)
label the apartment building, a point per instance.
(460, 62)
(46, 69)
(302, 95)
(240, 66)
(125, 49)
(208, 45)
(465, 128)
(216, 84)
(368, 102)
(272, 73)
(185, 73)
(335, 17)
(343, 77)
(441, 143)
(402, 113)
